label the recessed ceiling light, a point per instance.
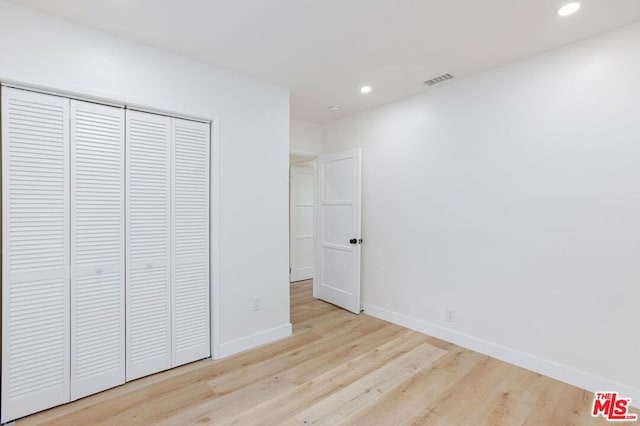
(569, 9)
(334, 108)
(365, 89)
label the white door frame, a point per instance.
(214, 238)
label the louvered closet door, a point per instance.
(148, 320)
(190, 266)
(35, 252)
(97, 248)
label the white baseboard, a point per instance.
(548, 368)
(254, 340)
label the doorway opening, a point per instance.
(325, 225)
(302, 184)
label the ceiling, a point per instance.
(325, 50)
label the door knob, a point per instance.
(353, 241)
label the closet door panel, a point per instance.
(190, 268)
(97, 248)
(148, 325)
(35, 252)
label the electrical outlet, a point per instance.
(450, 315)
(257, 303)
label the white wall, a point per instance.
(514, 199)
(254, 126)
(305, 137)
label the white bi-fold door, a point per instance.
(167, 242)
(148, 244)
(35, 252)
(97, 248)
(190, 242)
(100, 206)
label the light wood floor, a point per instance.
(337, 368)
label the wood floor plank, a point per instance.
(282, 408)
(347, 402)
(511, 401)
(326, 323)
(466, 394)
(276, 379)
(423, 389)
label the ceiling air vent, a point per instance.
(439, 79)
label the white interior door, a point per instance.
(148, 244)
(338, 229)
(301, 223)
(97, 248)
(35, 252)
